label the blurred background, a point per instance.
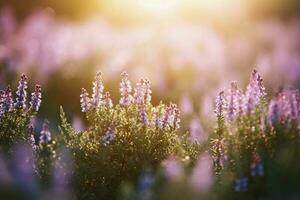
(189, 49)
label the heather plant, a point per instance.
(255, 143)
(16, 115)
(121, 140)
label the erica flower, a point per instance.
(36, 97)
(125, 90)
(157, 118)
(255, 92)
(45, 135)
(21, 93)
(108, 136)
(97, 90)
(176, 117)
(285, 105)
(220, 104)
(31, 137)
(234, 104)
(143, 92)
(6, 101)
(85, 101)
(107, 100)
(143, 115)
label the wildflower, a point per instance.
(257, 169)
(85, 101)
(285, 105)
(107, 100)
(196, 131)
(202, 176)
(45, 135)
(186, 105)
(143, 115)
(157, 118)
(176, 117)
(125, 90)
(172, 168)
(168, 120)
(234, 105)
(6, 101)
(255, 92)
(143, 92)
(108, 136)
(36, 97)
(31, 137)
(97, 91)
(21, 93)
(220, 104)
(241, 184)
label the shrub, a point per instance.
(120, 140)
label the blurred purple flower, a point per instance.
(202, 177)
(21, 93)
(254, 93)
(197, 133)
(97, 91)
(85, 101)
(143, 115)
(45, 135)
(6, 101)
(107, 102)
(36, 98)
(186, 105)
(220, 104)
(172, 168)
(125, 90)
(108, 136)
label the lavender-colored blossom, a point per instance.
(254, 93)
(220, 104)
(97, 91)
(202, 176)
(285, 105)
(172, 168)
(142, 94)
(85, 101)
(36, 98)
(45, 135)
(108, 136)
(107, 102)
(143, 115)
(6, 101)
(125, 90)
(158, 118)
(168, 119)
(31, 137)
(241, 184)
(176, 117)
(197, 133)
(186, 105)
(234, 104)
(21, 93)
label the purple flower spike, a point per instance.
(108, 136)
(255, 92)
(220, 104)
(21, 93)
(85, 101)
(97, 91)
(125, 90)
(6, 101)
(36, 98)
(234, 102)
(143, 92)
(107, 100)
(45, 135)
(143, 115)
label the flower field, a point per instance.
(161, 101)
